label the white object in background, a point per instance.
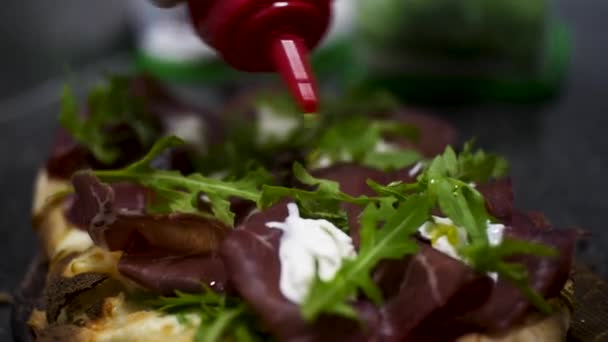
(167, 34)
(343, 21)
(273, 126)
(189, 127)
(175, 41)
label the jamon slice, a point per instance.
(164, 272)
(506, 305)
(424, 287)
(164, 253)
(251, 254)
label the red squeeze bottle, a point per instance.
(266, 36)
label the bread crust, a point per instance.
(552, 328)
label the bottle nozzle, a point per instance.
(290, 56)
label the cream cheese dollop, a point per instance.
(444, 235)
(304, 242)
(447, 237)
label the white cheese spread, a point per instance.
(446, 237)
(304, 242)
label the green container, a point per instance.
(445, 50)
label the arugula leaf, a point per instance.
(450, 162)
(322, 203)
(221, 317)
(212, 330)
(479, 166)
(487, 258)
(360, 102)
(183, 319)
(356, 139)
(398, 129)
(463, 205)
(324, 186)
(343, 131)
(86, 133)
(243, 148)
(468, 165)
(234, 323)
(179, 193)
(109, 105)
(391, 160)
(394, 189)
(397, 189)
(446, 178)
(184, 302)
(391, 241)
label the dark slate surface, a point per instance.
(38, 40)
(558, 150)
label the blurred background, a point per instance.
(528, 78)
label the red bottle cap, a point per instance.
(267, 35)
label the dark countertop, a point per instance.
(558, 150)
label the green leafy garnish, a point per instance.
(342, 131)
(214, 328)
(108, 106)
(222, 317)
(445, 179)
(183, 319)
(391, 160)
(347, 132)
(391, 241)
(360, 139)
(447, 176)
(492, 259)
(469, 165)
(243, 150)
(386, 232)
(361, 102)
(387, 224)
(179, 193)
(463, 205)
(322, 203)
(185, 302)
